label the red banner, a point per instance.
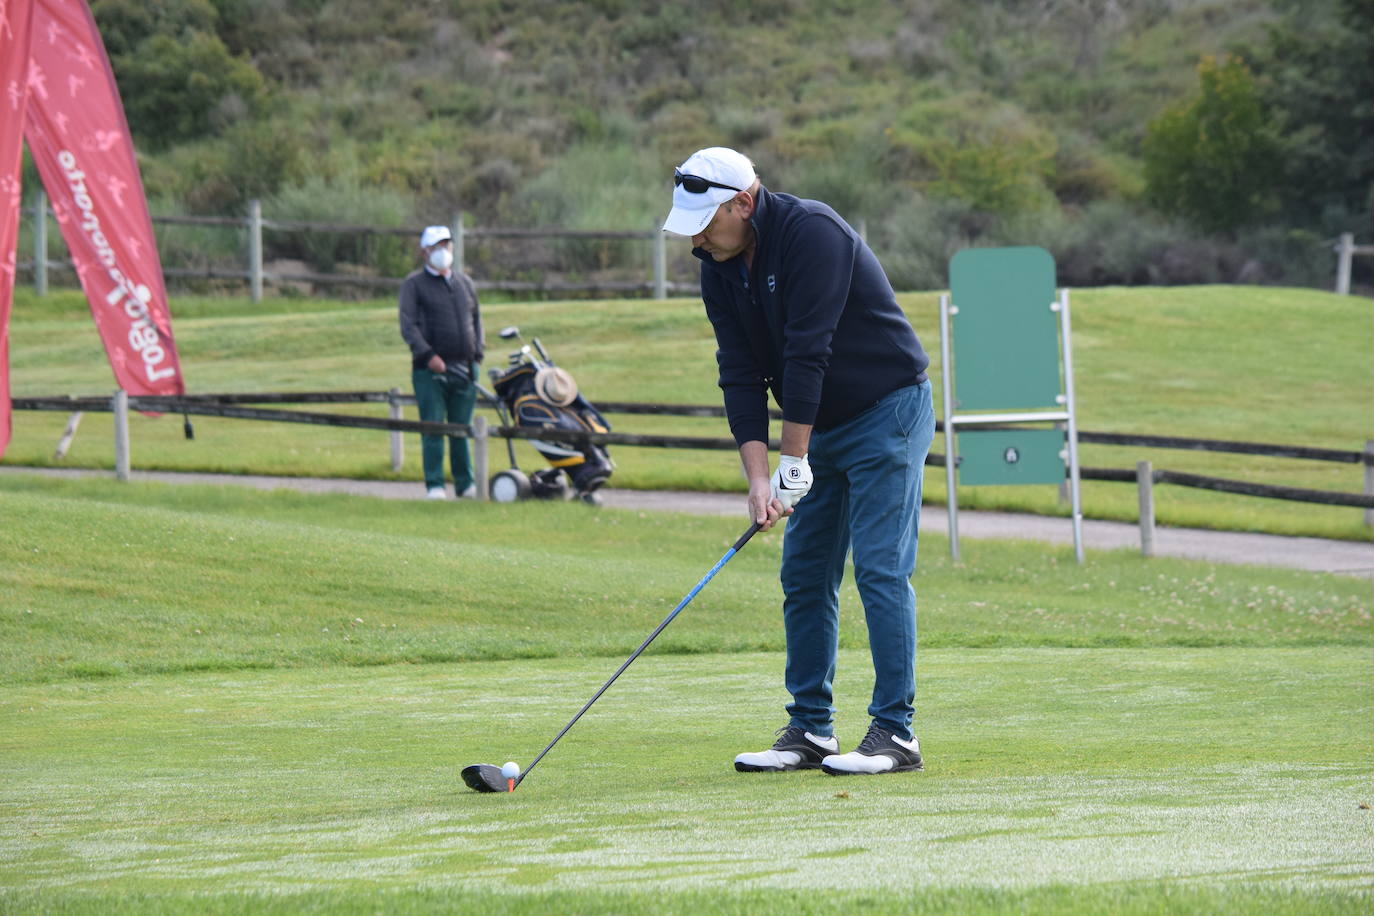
(80, 142)
(14, 64)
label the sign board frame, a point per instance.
(1007, 287)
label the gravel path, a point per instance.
(1314, 554)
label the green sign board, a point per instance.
(1006, 338)
(1002, 456)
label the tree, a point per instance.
(1214, 159)
(1316, 76)
(177, 79)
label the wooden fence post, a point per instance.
(255, 249)
(1345, 251)
(479, 459)
(65, 443)
(119, 406)
(1369, 479)
(660, 264)
(40, 243)
(458, 242)
(1145, 483)
(398, 456)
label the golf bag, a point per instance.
(533, 393)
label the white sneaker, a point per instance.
(795, 749)
(469, 493)
(436, 493)
(880, 752)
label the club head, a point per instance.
(483, 777)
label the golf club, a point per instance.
(484, 777)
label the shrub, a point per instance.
(342, 201)
(968, 147)
(181, 88)
(1214, 160)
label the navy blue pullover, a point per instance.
(814, 321)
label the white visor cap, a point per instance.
(718, 164)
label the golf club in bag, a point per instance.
(485, 777)
(535, 393)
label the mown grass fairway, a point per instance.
(1282, 366)
(1107, 770)
(246, 702)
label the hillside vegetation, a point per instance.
(935, 123)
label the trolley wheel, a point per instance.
(509, 486)
(547, 483)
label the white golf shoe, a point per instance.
(436, 493)
(795, 749)
(880, 752)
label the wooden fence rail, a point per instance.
(253, 223)
(231, 405)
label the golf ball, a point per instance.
(511, 770)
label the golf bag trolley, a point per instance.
(534, 393)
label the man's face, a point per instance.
(727, 234)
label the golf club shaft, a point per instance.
(743, 539)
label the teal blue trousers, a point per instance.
(444, 398)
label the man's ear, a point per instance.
(744, 202)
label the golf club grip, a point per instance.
(743, 539)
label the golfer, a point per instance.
(801, 308)
(441, 322)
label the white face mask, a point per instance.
(441, 259)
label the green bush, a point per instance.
(915, 241)
(185, 87)
(968, 147)
(1214, 160)
(342, 201)
(600, 186)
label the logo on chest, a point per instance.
(772, 283)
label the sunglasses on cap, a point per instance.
(697, 185)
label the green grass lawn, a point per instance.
(1159, 780)
(239, 701)
(1283, 366)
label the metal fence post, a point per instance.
(660, 264)
(1369, 479)
(398, 455)
(119, 406)
(40, 243)
(255, 249)
(1145, 483)
(458, 242)
(479, 452)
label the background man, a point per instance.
(802, 308)
(442, 324)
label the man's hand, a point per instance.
(436, 364)
(791, 481)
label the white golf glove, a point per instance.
(791, 481)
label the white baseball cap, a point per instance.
(433, 235)
(706, 180)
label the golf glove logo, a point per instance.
(791, 481)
